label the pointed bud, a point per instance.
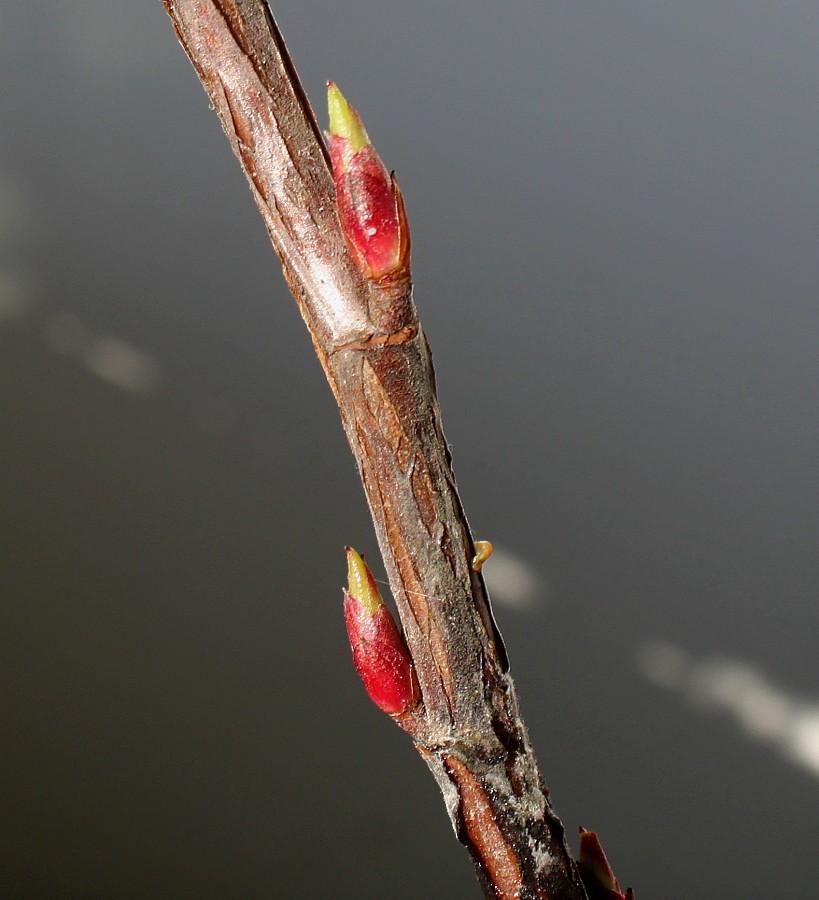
(595, 872)
(379, 652)
(369, 203)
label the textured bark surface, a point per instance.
(467, 727)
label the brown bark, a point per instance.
(366, 334)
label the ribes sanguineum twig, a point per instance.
(336, 218)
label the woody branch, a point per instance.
(464, 717)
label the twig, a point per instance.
(366, 334)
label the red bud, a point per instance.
(379, 652)
(596, 873)
(370, 206)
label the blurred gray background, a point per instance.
(614, 211)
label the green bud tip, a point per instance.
(344, 120)
(361, 583)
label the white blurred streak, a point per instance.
(511, 581)
(663, 664)
(122, 364)
(804, 746)
(765, 711)
(110, 358)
